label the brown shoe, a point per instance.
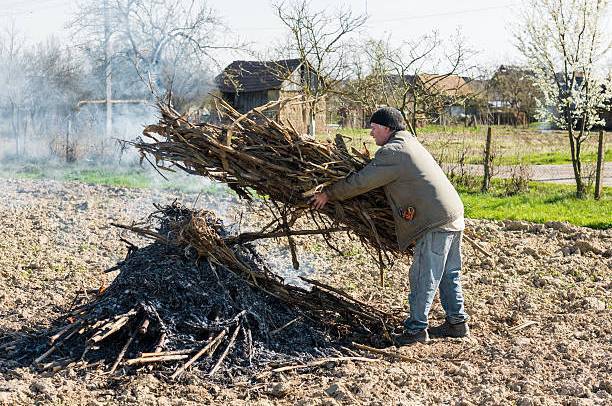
(409, 339)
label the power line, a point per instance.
(32, 4)
(400, 18)
(414, 17)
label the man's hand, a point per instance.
(319, 200)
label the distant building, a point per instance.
(249, 84)
(512, 96)
(436, 98)
(448, 95)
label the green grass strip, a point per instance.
(108, 177)
(543, 202)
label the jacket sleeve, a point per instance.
(381, 170)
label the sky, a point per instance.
(484, 23)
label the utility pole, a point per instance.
(108, 71)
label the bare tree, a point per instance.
(153, 40)
(564, 43)
(41, 83)
(421, 77)
(318, 38)
(56, 82)
(514, 88)
(13, 76)
(162, 37)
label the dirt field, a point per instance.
(56, 242)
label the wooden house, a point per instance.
(249, 84)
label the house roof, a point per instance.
(452, 85)
(513, 71)
(475, 87)
(251, 76)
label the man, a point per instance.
(427, 211)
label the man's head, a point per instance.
(384, 122)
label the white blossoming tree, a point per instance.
(565, 44)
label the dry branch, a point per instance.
(164, 353)
(317, 363)
(522, 326)
(477, 246)
(199, 354)
(161, 358)
(255, 153)
(227, 349)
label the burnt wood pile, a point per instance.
(200, 298)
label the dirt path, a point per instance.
(540, 308)
(541, 173)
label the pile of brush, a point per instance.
(199, 298)
(254, 153)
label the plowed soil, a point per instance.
(539, 301)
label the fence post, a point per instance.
(486, 182)
(599, 170)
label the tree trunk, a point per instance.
(576, 164)
(312, 124)
(24, 138)
(486, 181)
(599, 170)
(15, 125)
(414, 117)
(308, 115)
(108, 72)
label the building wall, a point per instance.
(294, 111)
(297, 113)
(245, 101)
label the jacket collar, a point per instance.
(397, 134)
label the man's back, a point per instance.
(413, 183)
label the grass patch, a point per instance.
(512, 146)
(125, 177)
(140, 178)
(543, 202)
(545, 158)
(452, 129)
(31, 172)
(349, 132)
(109, 177)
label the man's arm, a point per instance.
(382, 170)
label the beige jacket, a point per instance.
(411, 178)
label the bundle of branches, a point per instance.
(255, 153)
(198, 296)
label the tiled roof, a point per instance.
(452, 85)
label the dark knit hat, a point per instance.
(389, 117)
